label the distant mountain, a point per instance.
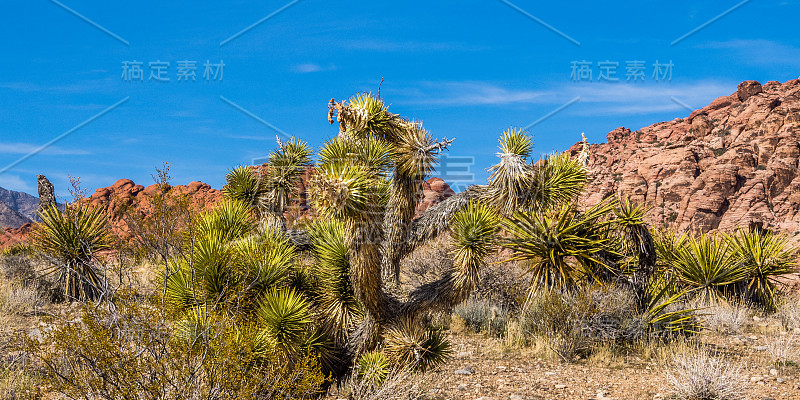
(10, 218)
(23, 203)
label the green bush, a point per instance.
(130, 350)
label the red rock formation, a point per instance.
(11, 236)
(434, 191)
(124, 194)
(730, 164)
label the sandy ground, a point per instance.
(499, 373)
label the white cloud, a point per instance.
(27, 148)
(646, 98)
(597, 98)
(759, 51)
(14, 182)
(311, 67)
(468, 93)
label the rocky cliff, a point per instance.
(733, 163)
(10, 218)
(17, 208)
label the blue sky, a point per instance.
(467, 69)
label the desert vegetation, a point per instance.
(365, 300)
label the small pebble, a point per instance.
(462, 387)
(560, 386)
(463, 372)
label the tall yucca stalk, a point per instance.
(71, 240)
(765, 256)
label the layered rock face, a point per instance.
(732, 164)
(434, 191)
(116, 199)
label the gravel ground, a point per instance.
(484, 369)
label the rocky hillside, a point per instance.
(733, 163)
(10, 218)
(16, 208)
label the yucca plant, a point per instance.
(765, 256)
(410, 343)
(71, 240)
(285, 316)
(564, 246)
(661, 314)
(245, 185)
(706, 265)
(667, 244)
(637, 241)
(373, 368)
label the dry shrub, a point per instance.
(575, 323)
(501, 283)
(399, 385)
(699, 375)
(789, 313)
(17, 299)
(782, 349)
(427, 262)
(17, 267)
(728, 317)
(483, 316)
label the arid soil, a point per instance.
(500, 372)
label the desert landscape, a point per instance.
(471, 200)
(661, 264)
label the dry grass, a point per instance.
(789, 313)
(663, 352)
(699, 375)
(400, 385)
(783, 350)
(17, 300)
(729, 317)
(15, 384)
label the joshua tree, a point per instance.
(366, 187)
